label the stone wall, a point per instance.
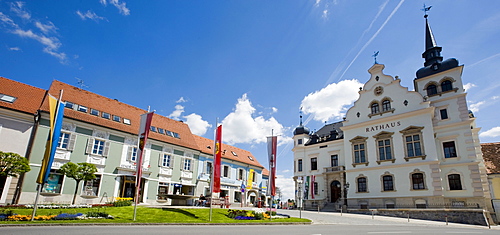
(464, 216)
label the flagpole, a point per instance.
(213, 170)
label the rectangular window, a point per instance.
(335, 160)
(106, 115)
(116, 118)
(362, 185)
(126, 121)
(299, 141)
(254, 177)
(69, 105)
(241, 173)
(161, 131)
(165, 160)
(449, 149)
(417, 181)
(300, 165)
(314, 164)
(444, 114)
(359, 153)
(413, 146)
(176, 135)
(454, 182)
(132, 154)
(98, 147)
(63, 140)
(94, 112)
(82, 108)
(153, 128)
(7, 98)
(225, 172)
(388, 183)
(315, 188)
(187, 164)
(209, 168)
(54, 182)
(162, 190)
(169, 133)
(384, 149)
(91, 187)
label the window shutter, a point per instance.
(129, 153)
(182, 163)
(105, 152)
(71, 143)
(160, 159)
(90, 144)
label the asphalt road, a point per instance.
(323, 223)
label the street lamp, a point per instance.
(346, 188)
(299, 196)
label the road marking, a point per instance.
(464, 232)
(389, 232)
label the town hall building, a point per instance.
(396, 147)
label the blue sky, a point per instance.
(251, 64)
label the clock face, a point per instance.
(379, 90)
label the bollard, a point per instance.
(372, 214)
(408, 216)
(318, 208)
(446, 218)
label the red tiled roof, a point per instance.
(114, 107)
(491, 156)
(28, 98)
(242, 155)
(265, 172)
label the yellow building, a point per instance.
(491, 155)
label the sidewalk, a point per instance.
(360, 219)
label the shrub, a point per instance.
(97, 214)
(119, 203)
(235, 213)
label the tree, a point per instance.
(12, 164)
(78, 172)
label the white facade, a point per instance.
(397, 148)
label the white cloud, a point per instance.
(181, 100)
(241, 127)
(46, 28)
(332, 101)
(176, 114)
(90, 15)
(196, 124)
(493, 132)
(285, 171)
(121, 6)
(287, 187)
(469, 86)
(14, 49)
(17, 7)
(51, 44)
(275, 110)
(474, 107)
(325, 14)
(5, 19)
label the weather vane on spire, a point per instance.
(426, 9)
(375, 54)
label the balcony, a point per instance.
(334, 169)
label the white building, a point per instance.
(398, 148)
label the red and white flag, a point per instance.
(217, 161)
(272, 143)
(143, 137)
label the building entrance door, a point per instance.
(335, 191)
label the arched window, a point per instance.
(454, 182)
(375, 108)
(431, 90)
(386, 105)
(446, 86)
(388, 183)
(417, 180)
(362, 184)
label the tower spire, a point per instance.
(432, 52)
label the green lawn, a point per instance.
(146, 215)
